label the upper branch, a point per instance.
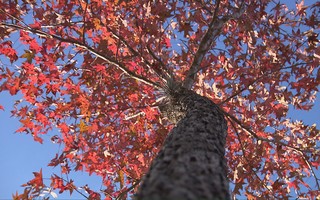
(212, 33)
(136, 53)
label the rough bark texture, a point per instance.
(191, 164)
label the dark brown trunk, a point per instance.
(191, 165)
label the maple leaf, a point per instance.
(37, 182)
(34, 46)
(167, 42)
(64, 128)
(37, 139)
(293, 184)
(83, 127)
(6, 49)
(29, 55)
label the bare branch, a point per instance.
(159, 61)
(309, 166)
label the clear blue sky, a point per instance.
(20, 156)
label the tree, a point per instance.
(191, 163)
(95, 71)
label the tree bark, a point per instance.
(191, 164)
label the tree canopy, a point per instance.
(94, 70)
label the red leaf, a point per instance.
(133, 97)
(167, 42)
(64, 128)
(294, 184)
(7, 50)
(34, 45)
(37, 139)
(37, 182)
(141, 159)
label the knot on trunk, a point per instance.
(174, 107)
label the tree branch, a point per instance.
(135, 53)
(257, 79)
(122, 194)
(75, 188)
(241, 90)
(214, 29)
(85, 47)
(247, 160)
(299, 151)
(231, 117)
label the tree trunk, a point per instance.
(191, 165)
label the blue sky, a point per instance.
(20, 156)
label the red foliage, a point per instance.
(76, 62)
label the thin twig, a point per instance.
(84, 24)
(121, 195)
(13, 17)
(240, 91)
(159, 61)
(309, 166)
(75, 188)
